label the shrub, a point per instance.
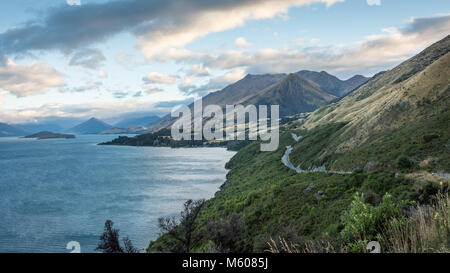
(227, 234)
(403, 163)
(430, 137)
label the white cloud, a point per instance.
(375, 52)
(230, 77)
(155, 77)
(374, 2)
(102, 74)
(29, 79)
(241, 42)
(199, 71)
(153, 90)
(188, 86)
(3, 94)
(74, 2)
(156, 38)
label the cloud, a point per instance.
(173, 103)
(241, 42)
(153, 90)
(120, 94)
(88, 85)
(199, 71)
(73, 2)
(3, 94)
(102, 74)
(29, 79)
(87, 58)
(155, 77)
(374, 53)
(215, 83)
(187, 84)
(157, 25)
(374, 2)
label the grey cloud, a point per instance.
(67, 27)
(88, 58)
(120, 94)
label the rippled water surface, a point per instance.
(56, 191)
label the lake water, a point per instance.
(56, 191)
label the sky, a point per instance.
(62, 59)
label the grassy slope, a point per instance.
(270, 196)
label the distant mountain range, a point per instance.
(296, 93)
(7, 130)
(332, 84)
(139, 121)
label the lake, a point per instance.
(56, 191)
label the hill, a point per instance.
(403, 112)
(92, 126)
(10, 130)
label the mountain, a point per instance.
(38, 127)
(233, 94)
(332, 84)
(92, 126)
(240, 91)
(10, 130)
(49, 135)
(140, 121)
(294, 94)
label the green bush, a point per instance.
(403, 163)
(364, 222)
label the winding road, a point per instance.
(287, 162)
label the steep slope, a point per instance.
(294, 94)
(7, 130)
(92, 126)
(402, 112)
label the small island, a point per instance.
(50, 135)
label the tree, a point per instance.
(109, 241)
(227, 234)
(184, 230)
